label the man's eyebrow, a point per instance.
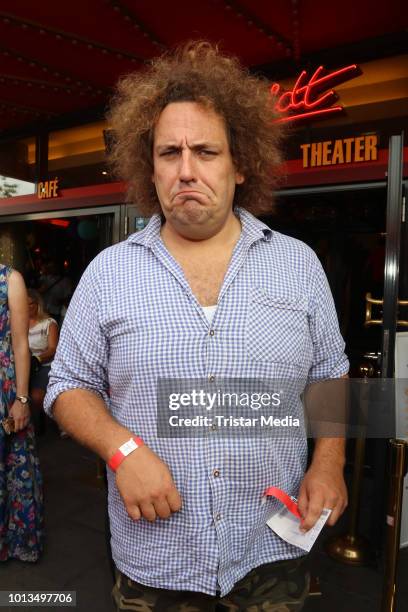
(165, 147)
(204, 144)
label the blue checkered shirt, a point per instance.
(132, 319)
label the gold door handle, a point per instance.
(368, 314)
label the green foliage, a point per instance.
(7, 189)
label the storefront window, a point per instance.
(17, 168)
(77, 156)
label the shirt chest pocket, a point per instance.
(277, 328)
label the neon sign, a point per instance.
(312, 96)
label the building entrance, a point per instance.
(57, 244)
(347, 230)
(359, 234)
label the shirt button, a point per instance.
(218, 517)
(216, 473)
(211, 332)
(211, 378)
(213, 426)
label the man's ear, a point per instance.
(239, 178)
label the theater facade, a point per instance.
(342, 187)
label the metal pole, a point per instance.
(359, 453)
(350, 547)
(398, 469)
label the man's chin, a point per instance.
(190, 212)
(193, 224)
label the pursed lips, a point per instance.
(191, 193)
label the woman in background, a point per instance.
(21, 509)
(43, 340)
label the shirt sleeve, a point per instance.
(329, 358)
(80, 361)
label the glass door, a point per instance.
(346, 226)
(360, 234)
(64, 241)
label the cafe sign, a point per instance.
(341, 151)
(47, 189)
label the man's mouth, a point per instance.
(184, 196)
(190, 193)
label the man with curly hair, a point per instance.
(205, 291)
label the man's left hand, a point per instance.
(322, 487)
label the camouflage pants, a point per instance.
(274, 587)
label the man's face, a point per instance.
(194, 173)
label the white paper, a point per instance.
(286, 526)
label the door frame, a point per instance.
(330, 188)
(394, 224)
(73, 212)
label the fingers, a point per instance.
(314, 510)
(20, 414)
(337, 511)
(174, 499)
(151, 510)
(134, 512)
(162, 509)
(311, 508)
(321, 488)
(20, 423)
(303, 502)
(148, 511)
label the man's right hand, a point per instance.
(146, 486)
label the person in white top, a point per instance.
(42, 340)
(56, 290)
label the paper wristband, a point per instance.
(285, 499)
(123, 451)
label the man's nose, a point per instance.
(187, 166)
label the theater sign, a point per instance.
(341, 151)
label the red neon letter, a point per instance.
(310, 98)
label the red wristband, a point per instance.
(123, 451)
(285, 499)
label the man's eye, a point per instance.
(168, 153)
(207, 152)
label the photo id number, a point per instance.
(40, 598)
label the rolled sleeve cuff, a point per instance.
(55, 389)
(323, 372)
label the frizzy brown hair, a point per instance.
(196, 72)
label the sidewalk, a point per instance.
(75, 555)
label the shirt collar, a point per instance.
(251, 228)
(149, 235)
